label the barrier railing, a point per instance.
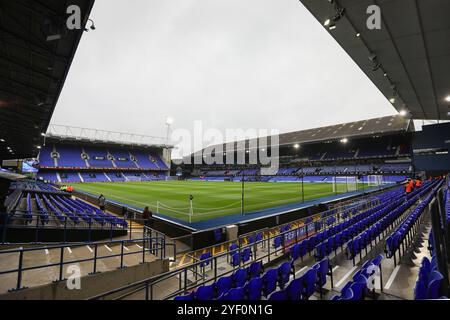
(35, 221)
(195, 274)
(321, 218)
(156, 246)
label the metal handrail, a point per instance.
(156, 246)
(267, 231)
(149, 283)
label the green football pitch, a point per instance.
(210, 199)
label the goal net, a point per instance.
(374, 180)
(343, 184)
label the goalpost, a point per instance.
(343, 184)
(374, 180)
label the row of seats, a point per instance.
(429, 281)
(91, 156)
(335, 236)
(373, 227)
(65, 209)
(248, 284)
(295, 171)
(302, 288)
(244, 283)
(358, 287)
(318, 225)
(397, 238)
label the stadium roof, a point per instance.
(36, 52)
(78, 135)
(409, 56)
(358, 129)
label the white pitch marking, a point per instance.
(139, 246)
(46, 251)
(126, 248)
(392, 277)
(346, 276)
(90, 249)
(70, 250)
(301, 270)
(335, 268)
(108, 248)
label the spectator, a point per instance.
(408, 186)
(101, 202)
(125, 212)
(148, 217)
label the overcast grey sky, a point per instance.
(232, 64)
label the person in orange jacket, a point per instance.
(418, 183)
(408, 188)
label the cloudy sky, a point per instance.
(263, 64)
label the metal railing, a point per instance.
(157, 246)
(195, 274)
(321, 218)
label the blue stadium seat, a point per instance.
(223, 285)
(284, 273)
(254, 289)
(434, 285)
(255, 269)
(277, 242)
(235, 259)
(270, 280)
(246, 255)
(239, 277)
(294, 289)
(278, 295)
(322, 268)
(205, 259)
(205, 293)
(309, 280)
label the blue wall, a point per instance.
(426, 146)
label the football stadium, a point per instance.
(345, 210)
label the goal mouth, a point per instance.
(345, 184)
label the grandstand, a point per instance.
(321, 152)
(76, 156)
(354, 211)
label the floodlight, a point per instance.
(169, 121)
